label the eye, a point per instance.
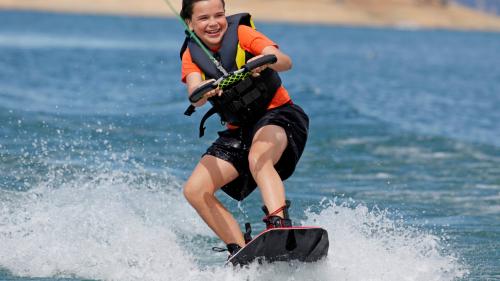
(202, 18)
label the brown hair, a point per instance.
(187, 8)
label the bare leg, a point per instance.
(210, 174)
(267, 147)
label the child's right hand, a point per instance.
(215, 92)
(201, 92)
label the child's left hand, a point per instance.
(256, 71)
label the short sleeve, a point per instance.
(188, 66)
(253, 41)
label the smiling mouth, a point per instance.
(213, 32)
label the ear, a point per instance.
(189, 24)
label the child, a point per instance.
(261, 153)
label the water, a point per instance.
(401, 167)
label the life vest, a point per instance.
(244, 102)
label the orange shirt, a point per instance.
(251, 41)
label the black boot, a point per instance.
(233, 248)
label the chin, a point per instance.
(214, 41)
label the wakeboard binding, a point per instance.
(272, 220)
(232, 248)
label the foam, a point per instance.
(367, 245)
(412, 153)
(99, 228)
(129, 226)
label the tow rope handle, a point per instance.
(203, 89)
(266, 59)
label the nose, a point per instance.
(212, 22)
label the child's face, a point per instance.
(209, 22)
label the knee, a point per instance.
(195, 194)
(254, 162)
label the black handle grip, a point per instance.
(201, 91)
(266, 59)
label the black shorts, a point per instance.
(233, 146)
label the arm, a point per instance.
(258, 44)
(284, 62)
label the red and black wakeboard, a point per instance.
(298, 243)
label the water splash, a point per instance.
(368, 245)
(99, 228)
(133, 226)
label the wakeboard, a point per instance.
(298, 243)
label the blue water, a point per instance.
(402, 166)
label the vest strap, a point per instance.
(190, 110)
(207, 115)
